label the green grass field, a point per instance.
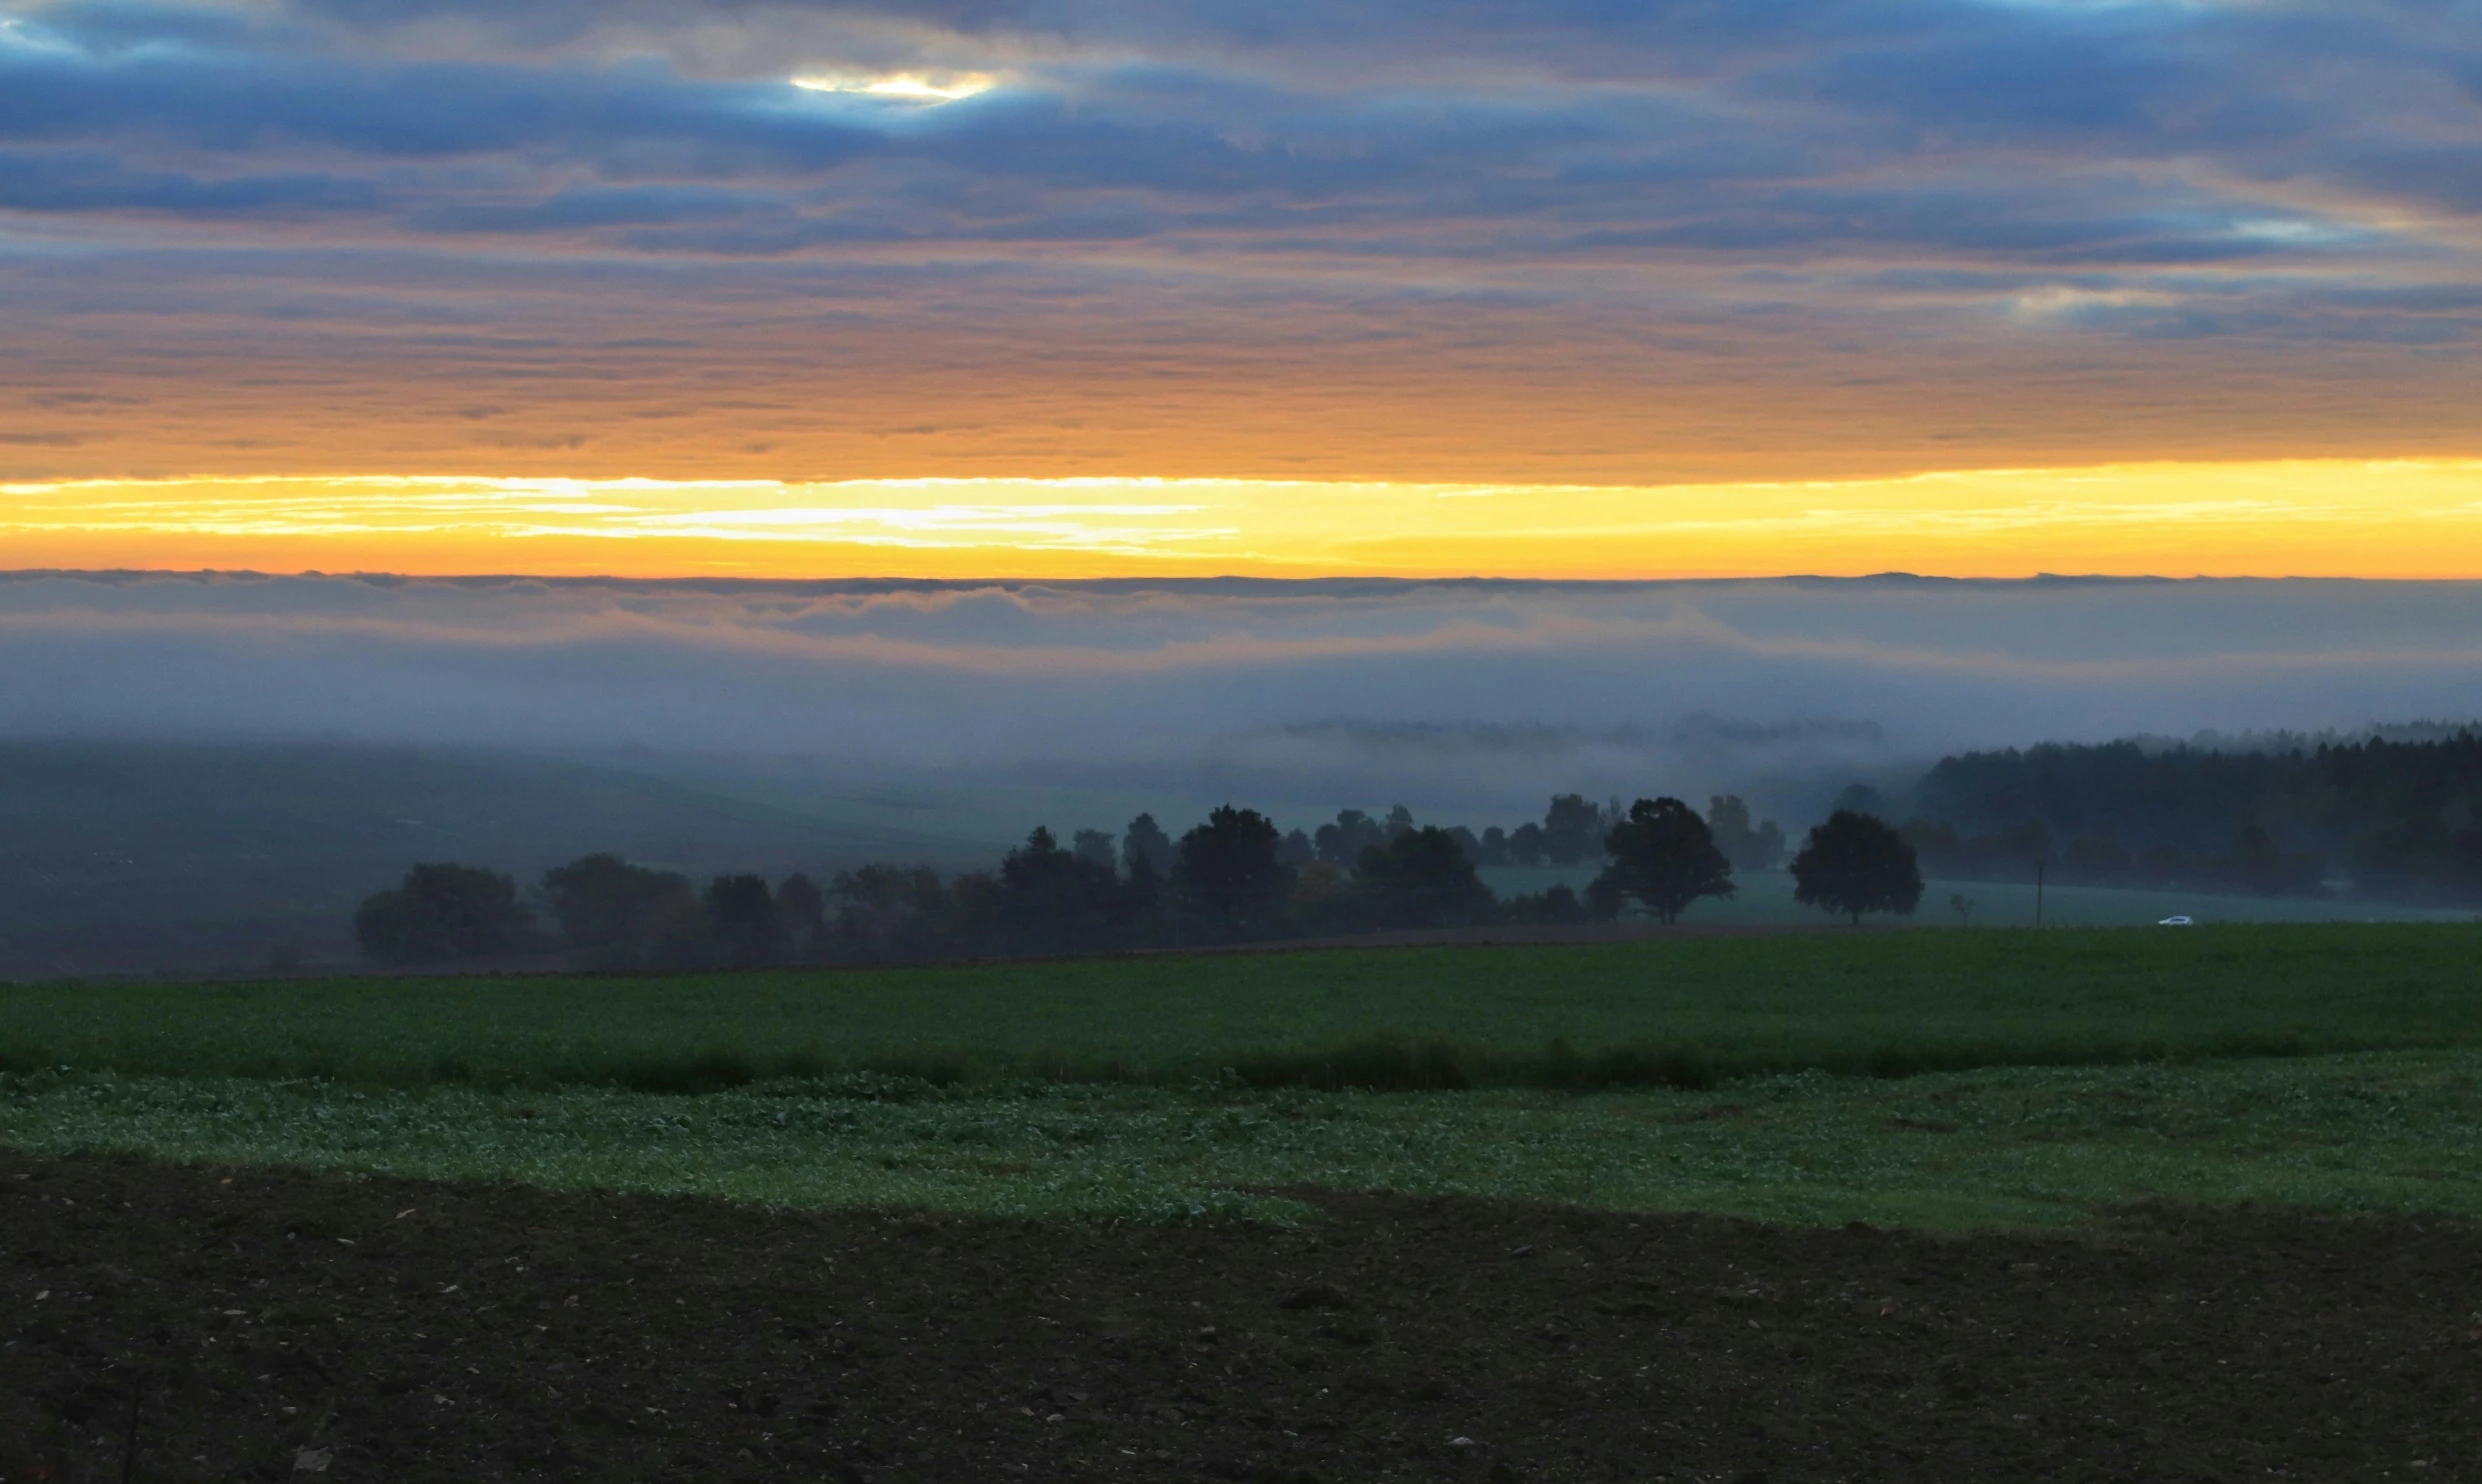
(1687, 1011)
(2043, 1075)
(1997, 1148)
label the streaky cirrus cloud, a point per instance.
(1571, 241)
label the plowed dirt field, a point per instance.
(162, 1323)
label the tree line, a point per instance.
(2399, 820)
(1234, 877)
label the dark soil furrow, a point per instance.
(274, 1325)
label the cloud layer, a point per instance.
(1573, 240)
(1445, 695)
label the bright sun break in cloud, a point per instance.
(936, 88)
(2328, 518)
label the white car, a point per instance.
(2176, 922)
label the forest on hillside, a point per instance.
(2375, 818)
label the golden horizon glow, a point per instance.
(2291, 518)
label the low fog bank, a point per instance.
(1472, 699)
(195, 770)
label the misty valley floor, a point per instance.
(278, 1325)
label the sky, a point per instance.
(1062, 289)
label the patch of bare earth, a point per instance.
(270, 1325)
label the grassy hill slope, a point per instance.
(120, 856)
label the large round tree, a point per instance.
(1664, 855)
(1855, 864)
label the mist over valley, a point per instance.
(199, 766)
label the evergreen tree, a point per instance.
(1232, 865)
(1146, 841)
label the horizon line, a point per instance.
(2396, 519)
(1003, 579)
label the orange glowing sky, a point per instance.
(2311, 518)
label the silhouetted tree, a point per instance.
(1398, 822)
(1142, 888)
(1229, 865)
(1096, 848)
(1297, 851)
(1855, 864)
(890, 912)
(742, 922)
(1494, 848)
(1341, 844)
(1421, 878)
(1146, 841)
(1748, 849)
(1572, 830)
(1056, 900)
(623, 912)
(442, 911)
(1032, 866)
(1525, 845)
(1318, 889)
(1664, 855)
